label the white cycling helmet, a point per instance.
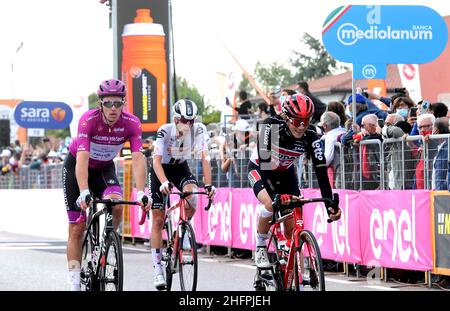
(186, 109)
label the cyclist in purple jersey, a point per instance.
(89, 167)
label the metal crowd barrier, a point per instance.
(388, 164)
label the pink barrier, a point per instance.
(395, 229)
(339, 241)
(382, 228)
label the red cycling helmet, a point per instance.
(112, 87)
(298, 106)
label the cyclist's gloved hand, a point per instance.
(81, 201)
(141, 197)
(210, 190)
(165, 187)
(334, 212)
(285, 199)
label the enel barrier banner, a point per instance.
(340, 240)
(377, 228)
(395, 229)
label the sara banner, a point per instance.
(46, 115)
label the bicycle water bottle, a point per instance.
(144, 70)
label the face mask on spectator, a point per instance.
(403, 112)
(348, 113)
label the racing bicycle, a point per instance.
(296, 262)
(177, 255)
(102, 259)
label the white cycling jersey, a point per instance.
(176, 150)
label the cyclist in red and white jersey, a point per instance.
(283, 139)
(175, 143)
(89, 167)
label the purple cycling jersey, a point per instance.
(102, 141)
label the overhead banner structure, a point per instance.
(143, 56)
(373, 36)
(366, 32)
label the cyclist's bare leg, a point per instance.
(157, 227)
(156, 245)
(263, 222)
(117, 210)
(192, 199)
(74, 245)
(74, 253)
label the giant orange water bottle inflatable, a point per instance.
(144, 70)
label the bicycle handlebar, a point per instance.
(181, 195)
(107, 202)
(299, 203)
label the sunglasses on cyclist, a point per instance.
(299, 122)
(186, 121)
(111, 103)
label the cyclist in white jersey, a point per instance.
(175, 143)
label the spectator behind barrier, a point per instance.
(398, 160)
(329, 121)
(319, 106)
(339, 109)
(370, 154)
(425, 125)
(440, 179)
(234, 152)
(439, 110)
(245, 108)
(402, 105)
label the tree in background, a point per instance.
(185, 90)
(315, 64)
(245, 85)
(93, 99)
(273, 75)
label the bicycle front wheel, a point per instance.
(187, 257)
(308, 267)
(112, 264)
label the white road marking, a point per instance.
(243, 266)
(380, 287)
(328, 279)
(31, 248)
(30, 244)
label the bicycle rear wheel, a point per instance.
(308, 267)
(88, 278)
(112, 264)
(187, 257)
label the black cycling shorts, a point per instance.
(178, 174)
(279, 182)
(101, 182)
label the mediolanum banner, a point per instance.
(389, 34)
